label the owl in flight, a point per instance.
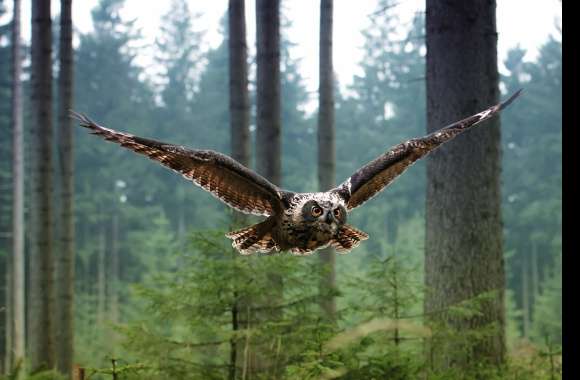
(298, 222)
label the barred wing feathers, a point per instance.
(222, 176)
(372, 178)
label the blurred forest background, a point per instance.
(158, 291)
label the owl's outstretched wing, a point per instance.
(372, 178)
(225, 178)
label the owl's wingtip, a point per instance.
(83, 120)
(507, 102)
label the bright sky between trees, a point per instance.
(524, 22)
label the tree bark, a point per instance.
(535, 272)
(101, 276)
(326, 147)
(65, 262)
(17, 293)
(239, 98)
(526, 313)
(268, 123)
(463, 249)
(268, 150)
(42, 286)
(239, 137)
(115, 270)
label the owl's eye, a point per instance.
(316, 211)
(337, 213)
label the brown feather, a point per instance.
(348, 238)
(372, 178)
(222, 176)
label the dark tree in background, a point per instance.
(268, 139)
(239, 98)
(41, 310)
(17, 302)
(326, 144)
(17, 289)
(239, 131)
(268, 125)
(463, 248)
(66, 249)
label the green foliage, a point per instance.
(547, 327)
(532, 175)
(19, 373)
(188, 329)
(386, 107)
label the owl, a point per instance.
(299, 223)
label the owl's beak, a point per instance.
(330, 218)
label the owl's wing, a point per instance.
(225, 178)
(372, 178)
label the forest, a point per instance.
(113, 267)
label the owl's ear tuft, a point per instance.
(348, 238)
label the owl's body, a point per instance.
(307, 222)
(297, 222)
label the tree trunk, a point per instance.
(65, 262)
(239, 98)
(525, 298)
(535, 272)
(42, 286)
(268, 123)
(7, 313)
(326, 147)
(268, 150)
(114, 271)
(17, 293)
(463, 248)
(239, 137)
(101, 277)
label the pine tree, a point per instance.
(17, 296)
(239, 104)
(65, 263)
(41, 312)
(5, 192)
(113, 190)
(388, 109)
(178, 53)
(326, 145)
(463, 246)
(532, 198)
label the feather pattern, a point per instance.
(222, 176)
(373, 177)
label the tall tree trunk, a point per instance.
(114, 271)
(268, 147)
(17, 272)
(101, 276)
(268, 123)
(526, 312)
(240, 136)
(535, 271)
(463, 249)
(65, 262)
(42, 286)
(326, 147)
(6, 316)
(239, 98)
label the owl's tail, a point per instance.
(255, 238)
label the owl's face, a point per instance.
(326, 215)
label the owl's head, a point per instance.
(328, 214)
